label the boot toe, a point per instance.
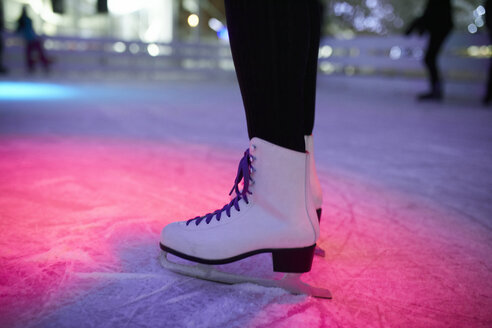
(170, 235)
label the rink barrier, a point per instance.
(465, 57)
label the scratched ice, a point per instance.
(87, 183)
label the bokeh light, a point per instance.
(193, 20)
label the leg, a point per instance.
(29, 56)
(488, 92)
(273, 213)
(315, 13)
(270, 44)
(2, 67)
(41, 54)
(277, 71)
(436, 42)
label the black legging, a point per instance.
(436, 41)
(274, 45)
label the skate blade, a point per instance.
(291, 282)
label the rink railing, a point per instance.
(465, 57)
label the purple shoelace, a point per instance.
(243, 173)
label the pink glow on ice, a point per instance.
(68, 205)
(393, 255)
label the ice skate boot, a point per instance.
(435, 94)
(315, 186)
(273, 213)
(430, 96)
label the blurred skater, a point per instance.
(488, 22)
(33, 43)
(437, 20)
(3, 70)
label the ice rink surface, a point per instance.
(91, 172)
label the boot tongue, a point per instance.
(243, 174)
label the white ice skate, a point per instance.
(273, 213)
(315, 186)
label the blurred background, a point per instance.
(134, 120)
(150, 37)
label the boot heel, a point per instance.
(293, 260)
(318, 213)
